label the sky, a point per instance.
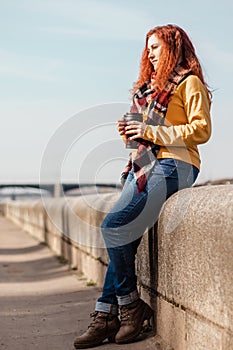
(66, 70)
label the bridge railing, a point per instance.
(184, 265)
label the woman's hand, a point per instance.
(121, 124)
(135, 130)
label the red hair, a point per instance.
(176, 47)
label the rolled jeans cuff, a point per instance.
(128, 299)
(108, 308)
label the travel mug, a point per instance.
(133, 144)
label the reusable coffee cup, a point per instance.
(133, 144)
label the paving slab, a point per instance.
(43, 304)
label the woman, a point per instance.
(175, 102)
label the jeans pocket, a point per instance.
(168, 167)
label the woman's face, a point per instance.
(154, 49)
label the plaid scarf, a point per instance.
(156, 104)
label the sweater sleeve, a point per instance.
(197, 130)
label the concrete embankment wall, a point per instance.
(184, 267)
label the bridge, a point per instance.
(16, 191)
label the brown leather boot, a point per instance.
(102, 327)
(132, 317)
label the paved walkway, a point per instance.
(43, 305)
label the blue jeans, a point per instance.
(125, 224)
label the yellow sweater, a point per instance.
(187, 123)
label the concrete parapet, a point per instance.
(184, 266)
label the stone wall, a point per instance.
(184, 265)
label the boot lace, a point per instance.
(125, 315)
(98, 317)
(93, 315)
